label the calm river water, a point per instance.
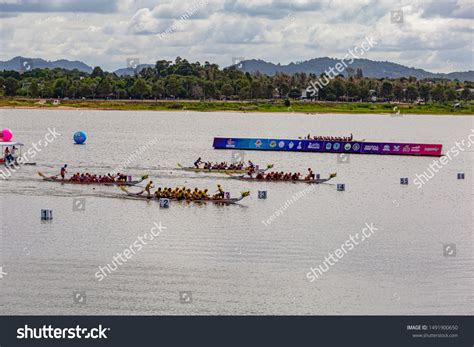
(224, 259)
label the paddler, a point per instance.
(148, 187)
(310, 175)
(187, 194)
(63, 171)
(8, 156)
(121, 177)
(220, 191)
(197, 162)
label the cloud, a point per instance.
(167, 17)
(449, 9)
(103, 6)
(272, 8)
(106, 33)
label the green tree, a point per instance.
(161, 68)
(244, 93)
(294, 93)
(104, 88)
(140, 89)
(60, 87)
(97, 72)
(398, 92)
(425, 91)
(158, 89)
(209, 89)
(451, 94)
(412, 93)
(386, 90)
(227, 90)
(172, 86)
(466, 94)
(197, 92)
(11, 86)
(339, 88)
(331, 97)
(352, 90)
(34, 89)
(438, 93)
(256, 89)
(363, 91)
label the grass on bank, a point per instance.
(254, 106)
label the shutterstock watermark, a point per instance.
(129, 252)
(348, 245)
(294, 198)
(132, 157)
(184, 17)
(30, 153)
(329, 74)
(49, 332)
(437, 164)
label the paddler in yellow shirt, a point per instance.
(148, 187)
(201, 194)
(188, 194)
(220, 191)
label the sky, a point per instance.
(433, 35)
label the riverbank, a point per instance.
(241, 106)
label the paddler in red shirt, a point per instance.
(63, 171)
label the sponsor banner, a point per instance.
(400, 148)
(315, 146)
(297, 145)
(434, 149)
(231, 143)
(285, 145)
(341, 147)
(329, 146)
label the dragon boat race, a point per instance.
(236, 245)
(235, 173)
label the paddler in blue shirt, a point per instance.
(197, 162)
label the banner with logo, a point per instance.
(328, 146)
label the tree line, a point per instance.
(184, 80)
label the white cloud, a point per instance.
(431, 34)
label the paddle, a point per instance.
(130, 193)
(45, 177)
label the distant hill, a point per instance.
(22, 64)
(128, 71)
(370, 68)
(26, 64)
